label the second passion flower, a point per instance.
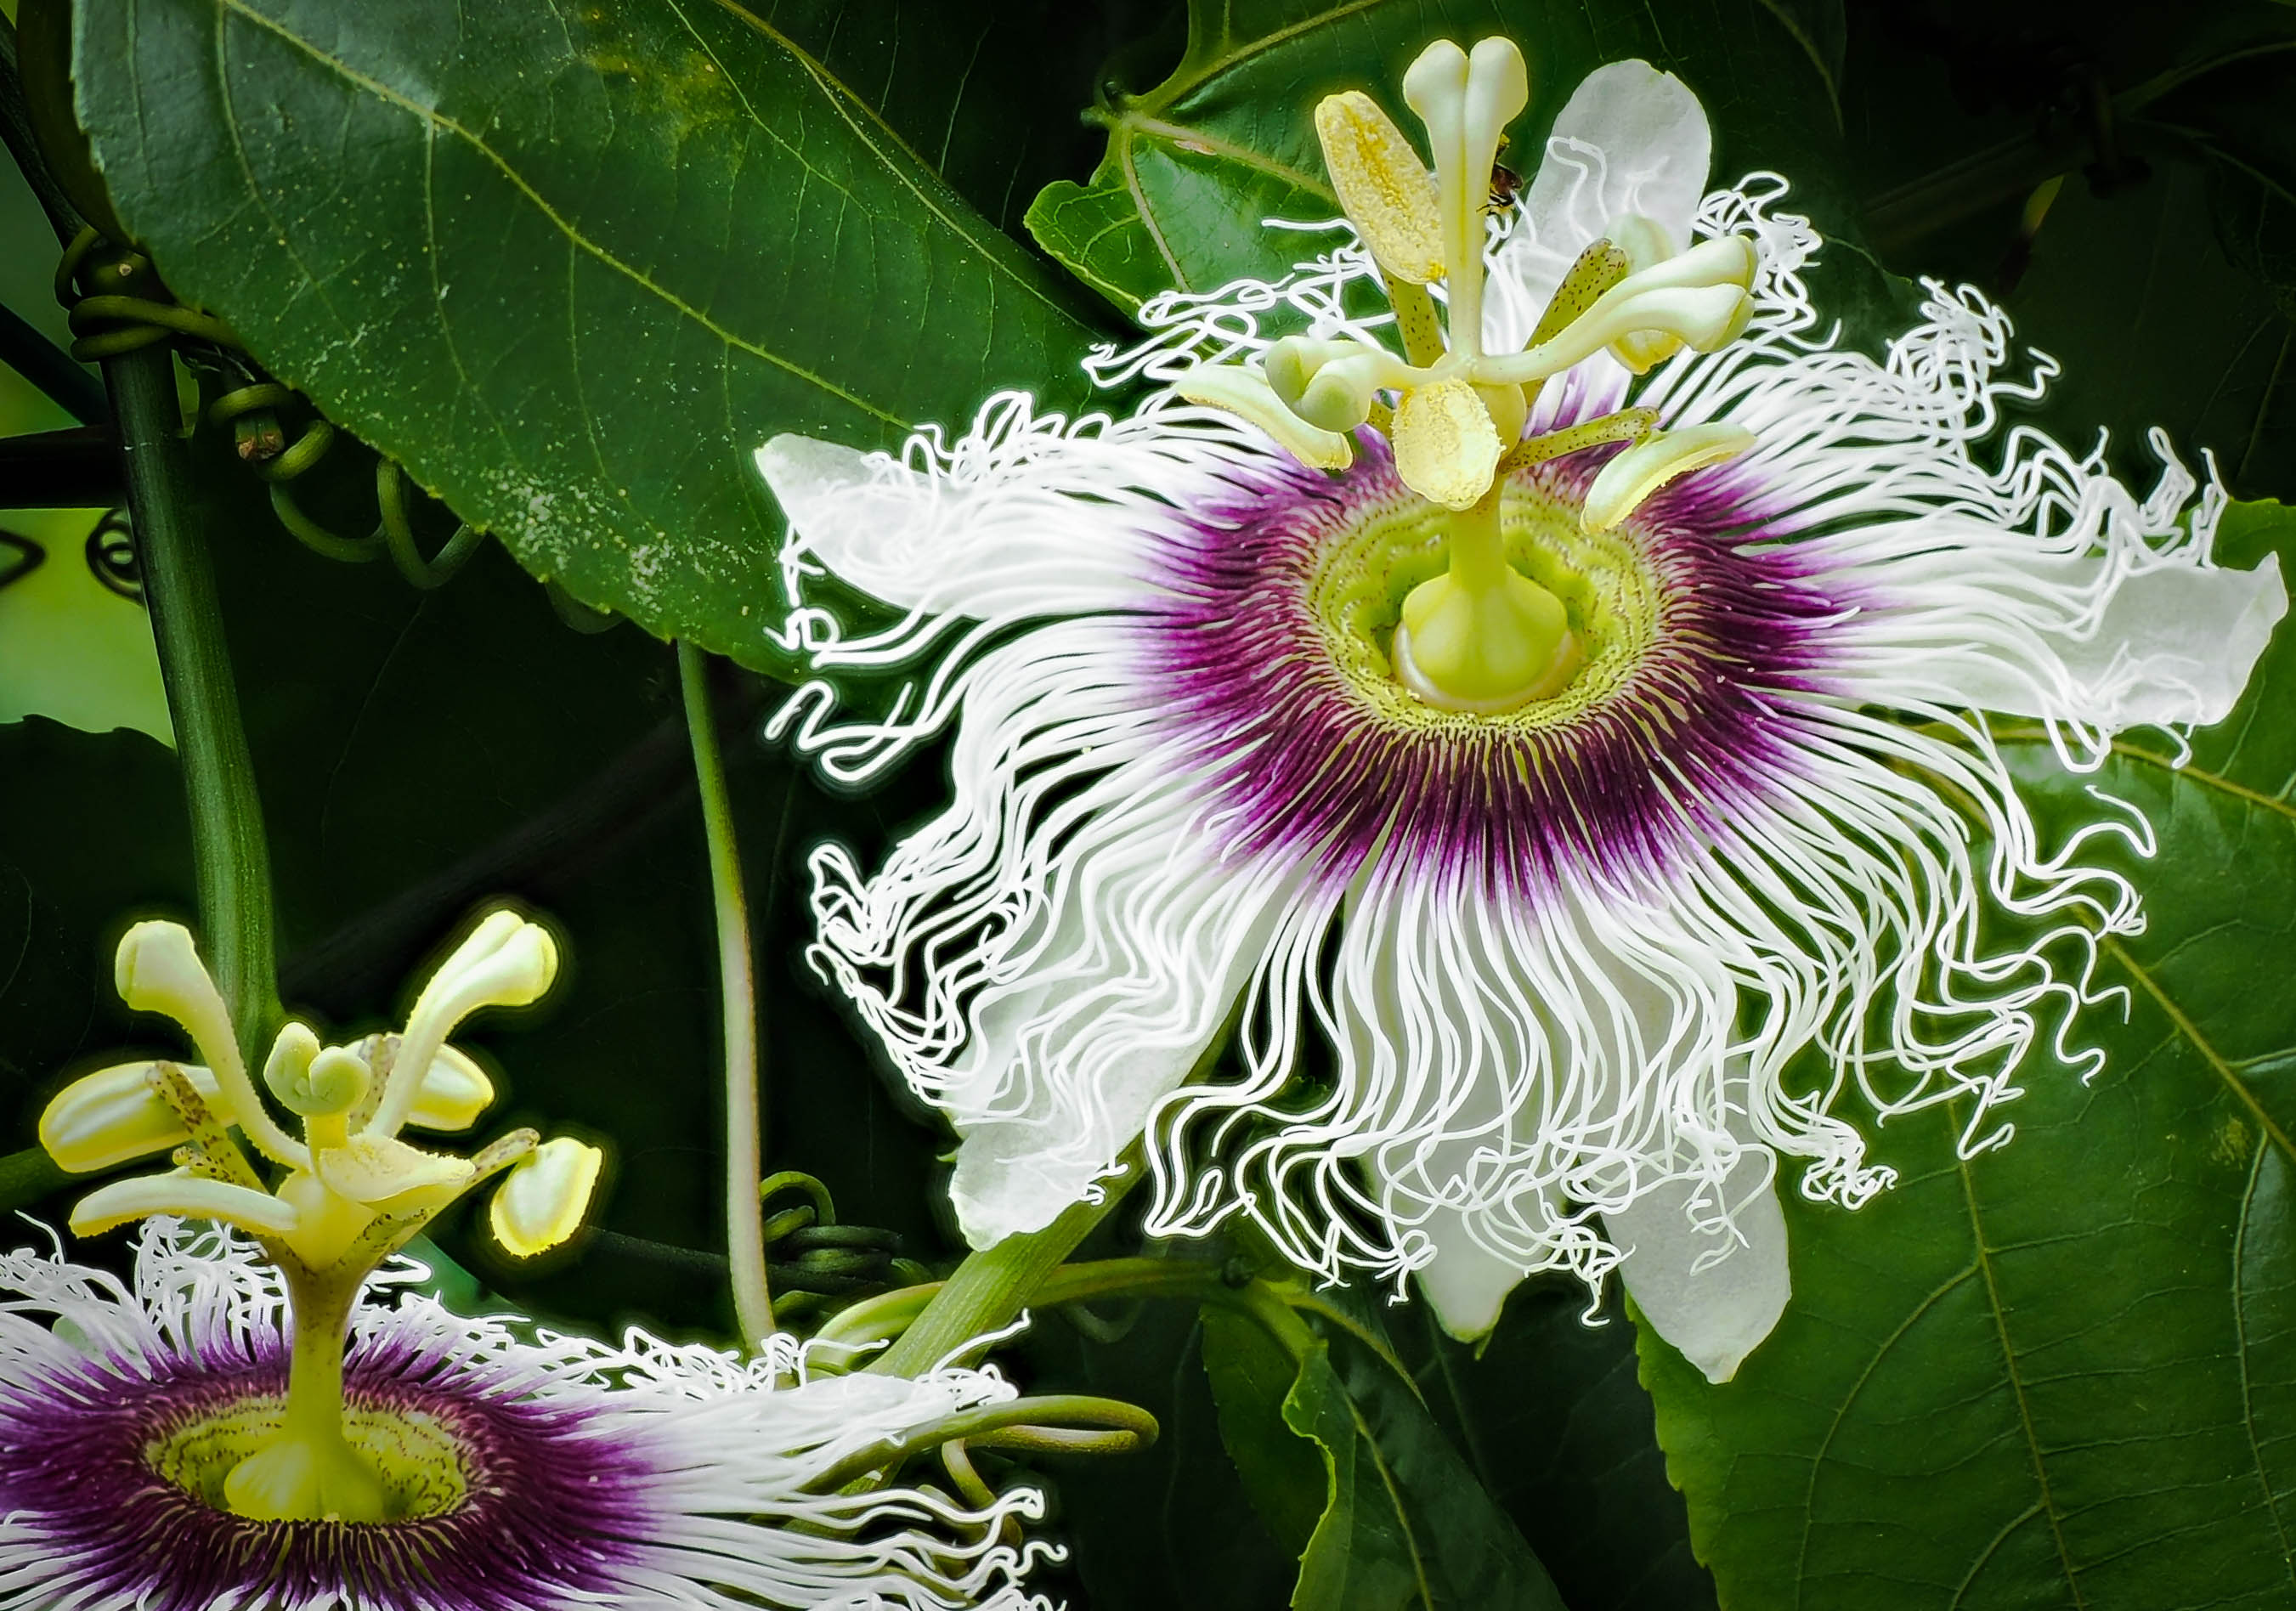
(1568, 783)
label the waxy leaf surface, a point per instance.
(570, 264)
(2063, 1372)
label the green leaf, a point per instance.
(1195, 165)
(2238, 119)
(1251, 1375)
(2063, 1372)
(985, 96)
(569, 265)
(1550, 1417)
(1822, 29)
(1405, 1522)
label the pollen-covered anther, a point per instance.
(115, 1116)
(1446, 448)
(1635, 474)
(542, 1203)
(190, 1195)
(1387, 194)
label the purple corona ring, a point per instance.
(523, 1475)
(1557, 727)
(1274, 664)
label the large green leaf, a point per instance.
(568, 263)
(1194, 165)
(2063, 1373)
(1551, 1420)
(1404, 1523)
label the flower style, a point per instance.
(523, 1475)
(352, 1194)
(1571, 796)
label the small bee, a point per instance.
(1506, 183)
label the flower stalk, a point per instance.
(745, 1239)
(230, 856)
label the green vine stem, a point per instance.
(232, 860)
(745, 1236)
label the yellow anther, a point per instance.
(114, 1116)
(454, 1091)
(1622, 485)
(1445, 445)
(1386, 192)
(1247, 393)
(543, 1202)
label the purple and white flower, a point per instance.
(1558, 958)
(527, 1472)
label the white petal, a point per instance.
(1631, 139)
(1132, 969)
(1025, 517)
(1466, 1284)
(1717, 1315)
(1500, 1064)
(2173, 644)
(1050, 955)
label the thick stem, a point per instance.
(745, 1238)
(991, 1288)
(230, 860)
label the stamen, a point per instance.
(1386, 194)
(188, 1196)
(114, 1116)
(1622, 484)
(1446, 443)
(375, 1171)
(157, 969)
(543, 1201)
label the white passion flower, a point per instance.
(525, 1474)
(1557, 936)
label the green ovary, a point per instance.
(1393, 566)
(416, 1461)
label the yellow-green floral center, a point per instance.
(1610, 595)
(415, 1453)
